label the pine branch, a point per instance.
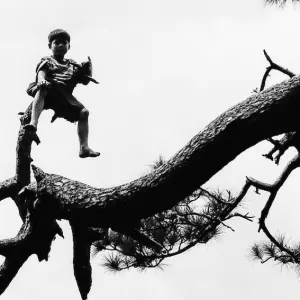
(280, 3)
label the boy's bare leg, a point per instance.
(37, 108)
(83, 134)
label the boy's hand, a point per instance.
(43, 83)
(58, 82)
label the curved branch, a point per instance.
(266, 114)
(273, 190)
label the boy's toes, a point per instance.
(88, 153)
(94, 154)
(30, 127)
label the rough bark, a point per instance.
(81, 258)
(38, 231)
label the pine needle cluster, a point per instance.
(280, 3)
(282, 253)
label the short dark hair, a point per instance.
(58, 33)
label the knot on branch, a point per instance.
(32, 135)
(290, 139)
(38, 173)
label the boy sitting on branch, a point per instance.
(56, 78)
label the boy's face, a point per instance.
(59, 46)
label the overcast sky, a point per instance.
(166, 68)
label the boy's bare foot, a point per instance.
(88, 152)
(30, 127)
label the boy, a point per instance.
(55, 81)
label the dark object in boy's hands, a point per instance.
(87, 67)
(86, 72)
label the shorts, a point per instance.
(63, 103)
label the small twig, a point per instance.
(280, 146)
(265, 260)
(246, 216)
(273, 190)
(274, 142)
(212, 219)
(277, 67)
(215, 198)
(225, 225)
(290, 139)
(273, 66)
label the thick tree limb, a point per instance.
(263, 115)
(33, 238)
(37, 231)
(9, 269)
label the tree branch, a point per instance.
(81, 258)
(38, 231)
(273, 190)
(273, 66)
(268, 113)
(289, 139)
(8, 188)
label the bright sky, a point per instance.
(167, 68)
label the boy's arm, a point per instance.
(41, 79)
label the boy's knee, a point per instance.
(84, 114)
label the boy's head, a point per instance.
(59, 41)
(58, 33)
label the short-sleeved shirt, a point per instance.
(66, 72)
(60, 98)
